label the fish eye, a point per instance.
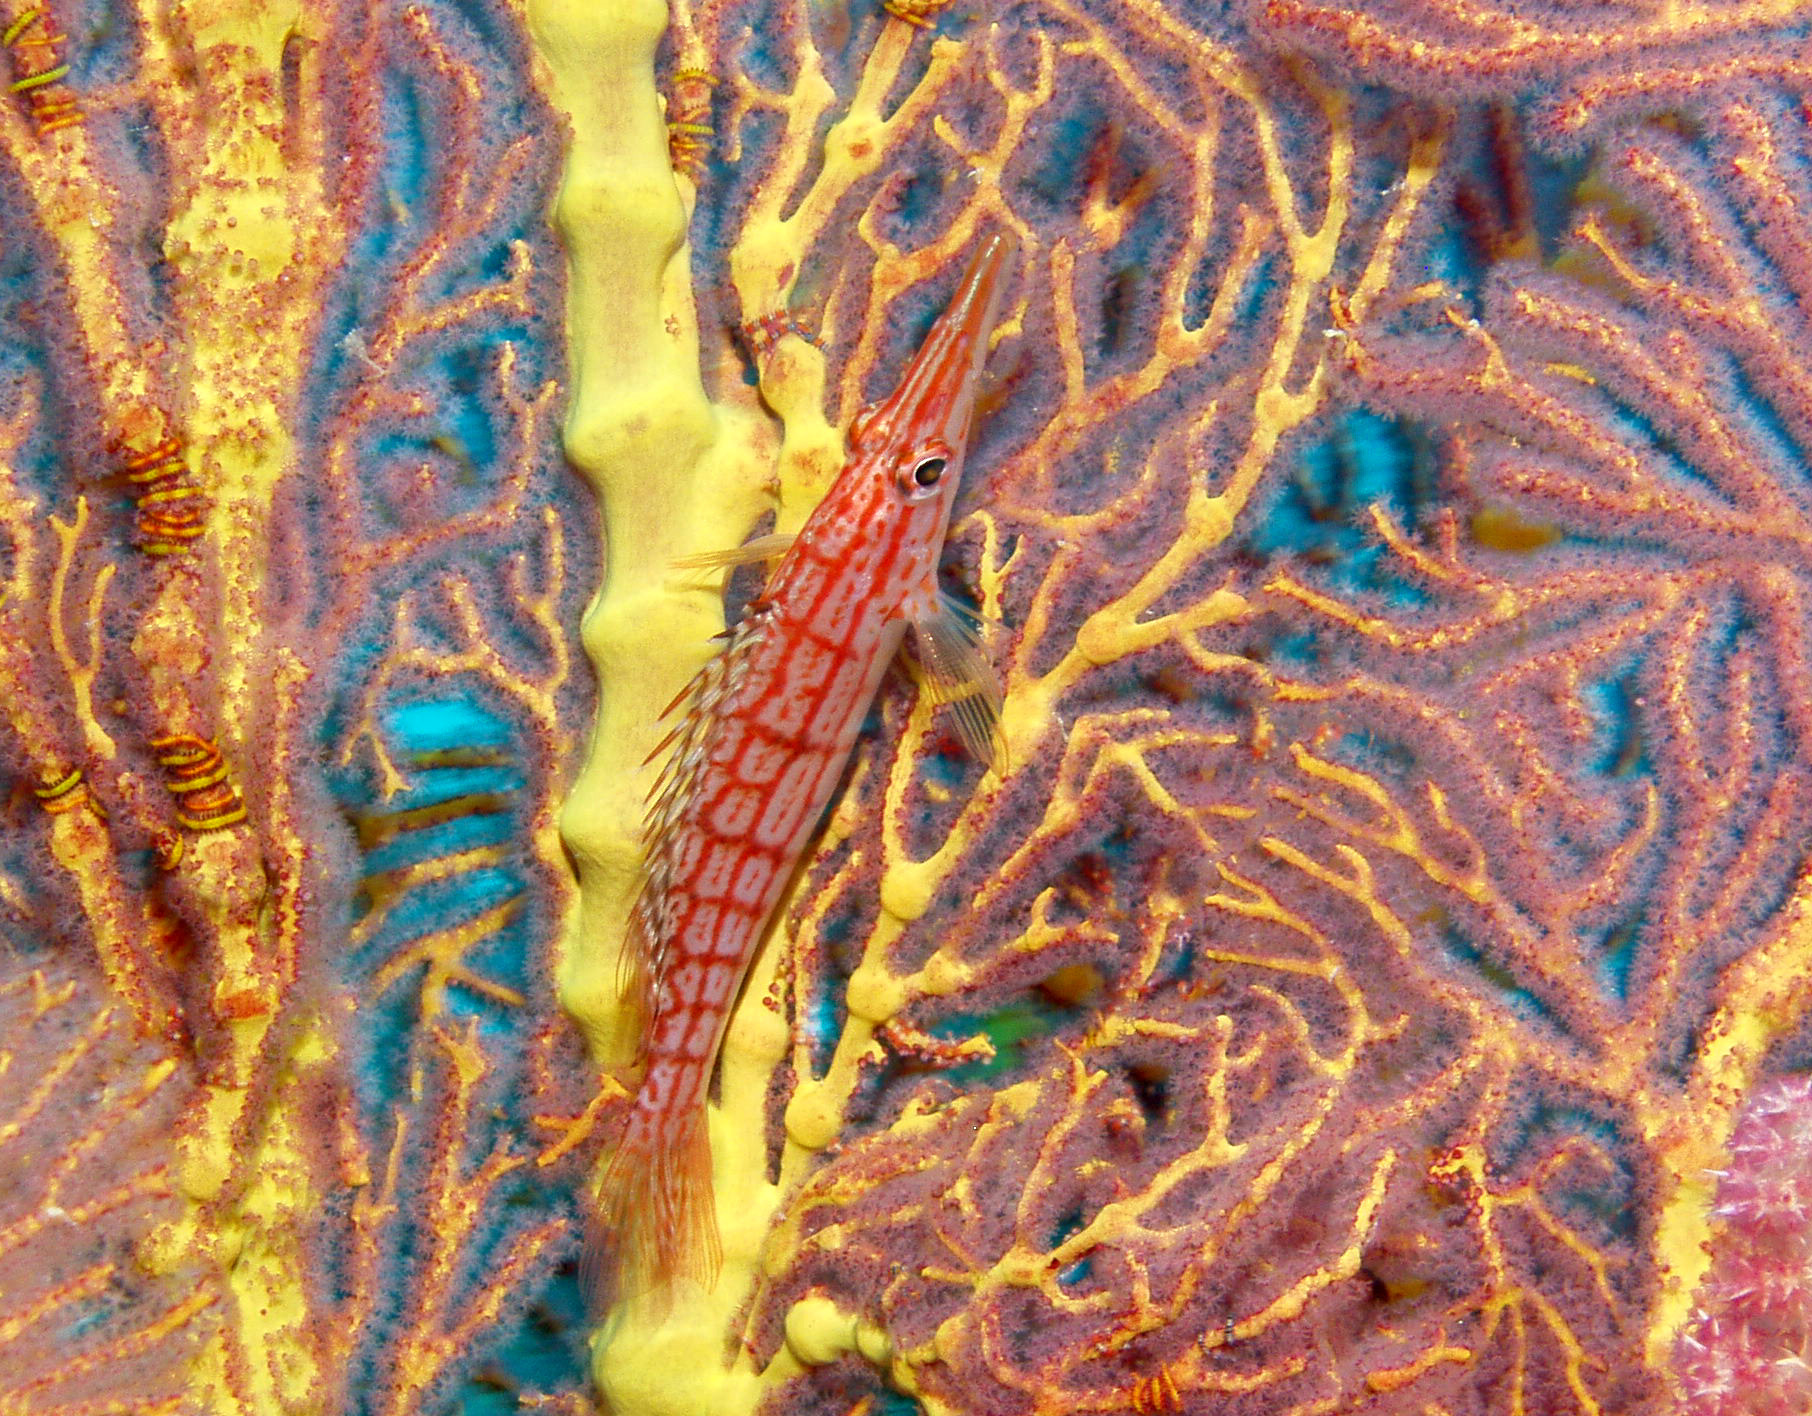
(918, 477)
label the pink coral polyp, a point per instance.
(1747, 1349)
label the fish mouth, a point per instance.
(935, 398)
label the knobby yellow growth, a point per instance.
(1310, 997)
(675, 475)
(1350, 987)
(229, 246)
(198, 425)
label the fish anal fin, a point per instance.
(641, 964)
(759, 551)
(957, 672)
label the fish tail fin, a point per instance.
(656, 1219)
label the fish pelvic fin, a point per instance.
(655, 1223)
(763, 550)
(957, 672)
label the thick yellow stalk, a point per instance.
(674, 474)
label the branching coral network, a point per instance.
(276, 470)
(1691, 568)
(1355, 983)
(1347, 984)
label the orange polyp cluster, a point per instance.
(197, 776)
(171, 508)
(39, 69)
(764, 332)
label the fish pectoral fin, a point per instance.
(957, 672)
(762, 549)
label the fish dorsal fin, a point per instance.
(643, 960)
(957, 672)
(761, 550)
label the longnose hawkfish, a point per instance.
(761, 738)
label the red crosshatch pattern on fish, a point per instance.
(762, 736)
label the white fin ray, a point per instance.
(957, 673)
(644, 958)
(762, 550)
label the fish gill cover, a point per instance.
(1375, 977)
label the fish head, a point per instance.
(912, 442)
